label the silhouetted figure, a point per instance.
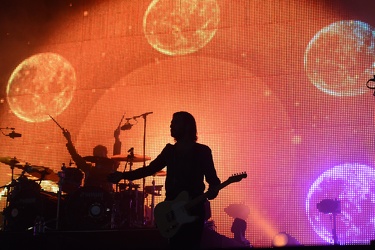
(239, 229)
(96, 167)
(188, 164)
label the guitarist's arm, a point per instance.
(134, 174)
(210, 175)
(156, 165)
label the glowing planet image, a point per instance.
(340, 58)
(41, 85)
(348, 192)
(179, 27)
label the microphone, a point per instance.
(127, 126)
(14, 135)
(148, 113)
(142, 115)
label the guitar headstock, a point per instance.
(237, 177)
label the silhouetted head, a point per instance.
(183, 126)
(100, 151)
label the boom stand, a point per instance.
(144, 162)
(8, 191)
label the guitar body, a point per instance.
(170, 215)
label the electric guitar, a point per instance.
(171, 215)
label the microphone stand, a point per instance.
(144, 161)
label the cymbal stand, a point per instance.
(7, 194)
(131, 158)
(116, 216)
(152, 202)
(61, 175)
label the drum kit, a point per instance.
(74, 207)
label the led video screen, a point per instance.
(280, 89)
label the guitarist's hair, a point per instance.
(190, 124)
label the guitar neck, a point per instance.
(201, 197)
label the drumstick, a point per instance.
(121, 120)
(57, 123)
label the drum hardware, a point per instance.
(127, 198)
(88, 208)
(127, 186)
(24, 197)
(40, 172)
(61, 175)
(29, 206)
(12, 162)
(116, 218)
(154, 190)
(138, 158)
(152, 202)
(133, 189)
(127, 209)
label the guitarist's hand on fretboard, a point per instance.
(212, 193)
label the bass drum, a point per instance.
(27, 204)
(88, 208)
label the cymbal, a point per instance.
(44, 173)
(40, 172)
(98, 159)
(136, 158)
(11, 161)
(161, 173)
(152, 191)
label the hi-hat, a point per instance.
(40, 172)
(131, 158)
(43, 173)
(11, 161)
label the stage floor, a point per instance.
(137, 238)
(98, 239)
